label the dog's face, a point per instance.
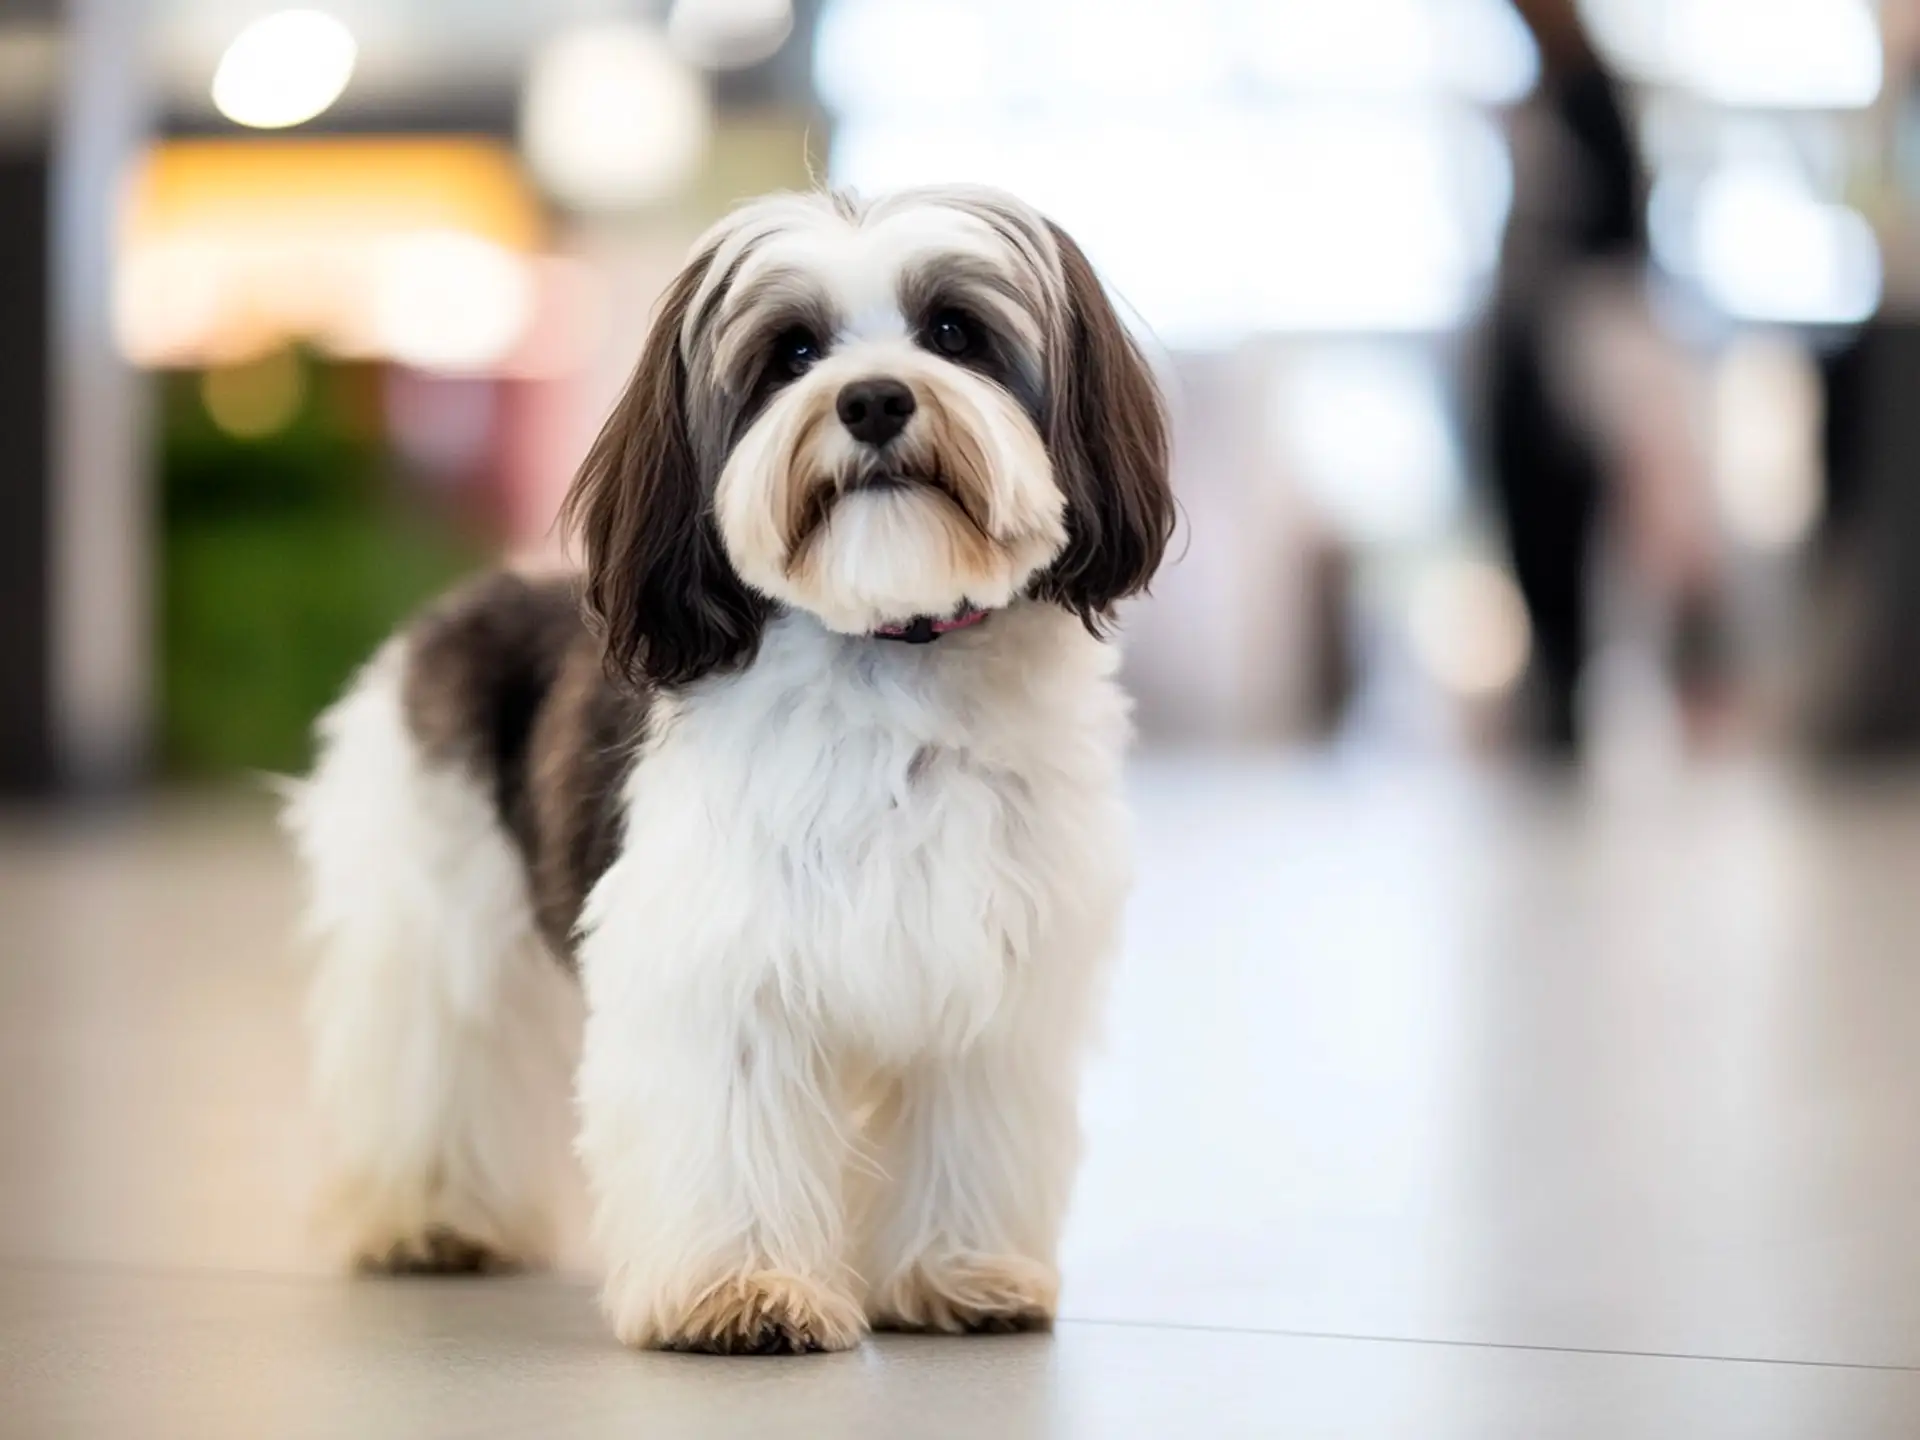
(919, 406)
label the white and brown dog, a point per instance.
(814, 776)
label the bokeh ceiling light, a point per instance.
(1760, 54)
(1479, 49)
(1787, 54)
(1364, 220)
(1630, 34)
(1061, 54)
(1314, 152)
(729, 34)
(284, 69)
(1766, 248)
(611, 119)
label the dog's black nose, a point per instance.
(874, 411)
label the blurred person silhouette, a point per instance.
(1586, 405)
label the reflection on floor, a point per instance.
(1433, 1105)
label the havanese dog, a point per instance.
(813, 777)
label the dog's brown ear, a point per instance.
(1107, 433)
(658, 587)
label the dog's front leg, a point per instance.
(976, 1154)
(715, 1147)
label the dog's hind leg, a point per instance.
(441, 1029)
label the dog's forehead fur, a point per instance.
(858, 268)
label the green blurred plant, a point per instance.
(287, 558)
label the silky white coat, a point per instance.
(844, 960)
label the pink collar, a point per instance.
(924, 629)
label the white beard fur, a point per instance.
(839, 979)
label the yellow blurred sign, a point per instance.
(413, 249)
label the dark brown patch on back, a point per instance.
(583, 745)
(504, 679)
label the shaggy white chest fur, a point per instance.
(877, 841)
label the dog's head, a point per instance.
(920, 406)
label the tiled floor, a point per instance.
(1434, 1106)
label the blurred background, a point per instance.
(1543, 371)
(1547, 382)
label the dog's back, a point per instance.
(503, 680)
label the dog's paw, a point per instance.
(764, 1312)
(961, 1294)
(437, 1250)
(424, 1228)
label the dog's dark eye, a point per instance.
(795, 352)
(951, 333)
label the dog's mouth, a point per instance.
(823, 497)
(882, 481)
